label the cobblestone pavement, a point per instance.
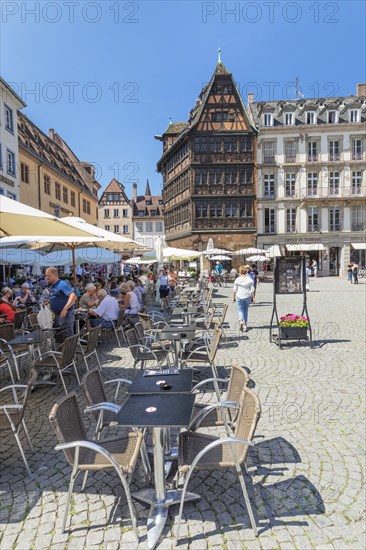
(306, 472)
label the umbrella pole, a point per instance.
(73, 264)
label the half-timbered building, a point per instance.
(208, 169)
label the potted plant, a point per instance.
(293, 326)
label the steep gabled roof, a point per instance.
(115, 187)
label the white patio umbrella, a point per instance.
(18, 219)
(250, 250)
(19, 256)
(273, 251)
(137, 261)
(220, 257)
(92, 255)
(258, 258)
(112, 241)
(171, 253)
(216, 251)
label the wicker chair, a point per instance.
(12, 414)
(7, 333)
(204, 355)
(151, 341)
(61, 360)
(208, 452)
(19, 317)
(87, 346)
(142, 354)
(32, 321)
(104, 411)
(117, 326)
(212, 415)
(4, 362)
(85, 455)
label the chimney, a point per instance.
(250, 97)
(134, 192)
(361, 90)
(51, 133)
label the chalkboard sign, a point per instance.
(290, 275)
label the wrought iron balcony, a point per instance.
(313, 157)
(334, 156)
(290, 158)
(313, 227)
(269, 229)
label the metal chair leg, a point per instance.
(85, 478)
(130, 504)
(247, 501)
(63, 381)
(27, 436)
(74, 475)
(16, 434)
(76, 372)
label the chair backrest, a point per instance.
(65, 418)
(93, 387)
(223, 314)
(7, 332)
(139, 331)
(248, 417)
(215, 343)
(93, 339)
(19, 318)
(145, 321)
(132, 340)
(32, 321)
(239, 379)
(120, 318)
(69, 349)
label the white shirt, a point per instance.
(108, 308)
(243, 287)
(134, 305)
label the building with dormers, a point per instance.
(52, 178)
(10, 103)
(147, 216)
(114, 210)
(209, 170)
(311, 184)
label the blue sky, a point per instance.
(107, 75)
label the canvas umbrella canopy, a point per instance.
(136, 261)
(19, 256)
(112, 241)
(250, 250)
(220, 257)
(258, 258)
(18, 219)
(92, 255)
(170, 253)
(216, 252)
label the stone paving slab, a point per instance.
(306, 472)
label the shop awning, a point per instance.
(359, 246)
(303, 247)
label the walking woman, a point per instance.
(243, 295)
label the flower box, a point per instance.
(293, 332)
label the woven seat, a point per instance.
(85, 455)
(12, 413)
(209, 452)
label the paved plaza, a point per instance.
(305, 474)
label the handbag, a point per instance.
(44, 318)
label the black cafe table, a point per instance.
(178, 334)
(185, 312)
(159, 411)
(29, 339)
(171, 381)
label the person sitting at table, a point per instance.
(7, 304)
(89, 299)
(131, 305)
(139, 291)
(24, 296)
(108, 309)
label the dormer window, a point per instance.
(332, 117)
(310, 117)
(289, 119)
(354, 115)
(268, 119)
(148, 202)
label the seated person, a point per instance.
(131, 305)
(24, 296)
(108, 309)
(89, 299)
(7, 304)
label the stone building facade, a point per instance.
(311, 162)
(147, 216)
(114, 210)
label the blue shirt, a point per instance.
(219, 269)
(59, 295)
